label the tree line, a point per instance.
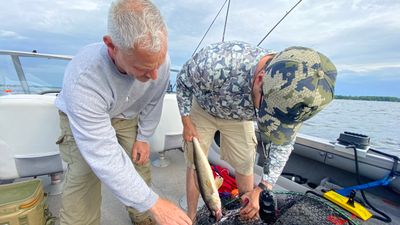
(369, 98)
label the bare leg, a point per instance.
(245, 183)
(192, 194)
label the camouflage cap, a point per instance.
(299, 82)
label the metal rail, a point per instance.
(15, 58)
(33, 54)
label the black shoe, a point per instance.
(268, 208)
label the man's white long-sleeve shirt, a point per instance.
(93, 93)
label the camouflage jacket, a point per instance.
(276, 158)
(220, 78)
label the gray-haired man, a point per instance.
(109, 106)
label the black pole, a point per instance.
(287, 13)
(226, 20)
(209, 28)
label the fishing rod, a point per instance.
(211, 26)
(226, 20)
(287, 13)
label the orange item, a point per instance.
(235, 193)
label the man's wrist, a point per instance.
(143, 141)
(186, 120)
(142, 138)
(265, 186)
(262, 186)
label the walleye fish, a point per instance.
(208, 187)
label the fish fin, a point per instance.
(207, 184)
(218, 181)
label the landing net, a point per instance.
(293, 209)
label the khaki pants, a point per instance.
(81, 198)
(238, 139)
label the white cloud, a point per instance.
(6, 34)
(341, 29)
(87, 5)
(351, 32)
(367, 68)
(360, 36)
(58, 16)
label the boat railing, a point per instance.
(25, 86)
(15, 57)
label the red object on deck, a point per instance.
(229, 182)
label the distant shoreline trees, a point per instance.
(369, 98)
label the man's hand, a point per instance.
(166, 213)
(140, 152)
(189, 130)
(251, 208)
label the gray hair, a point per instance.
(136, 23)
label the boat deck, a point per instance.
(169, 182)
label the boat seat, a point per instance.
(168, 134)
(29, 128)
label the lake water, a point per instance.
(379, 120)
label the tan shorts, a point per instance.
(81, 198)
(238, 140)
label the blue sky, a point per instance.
(360, 36)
